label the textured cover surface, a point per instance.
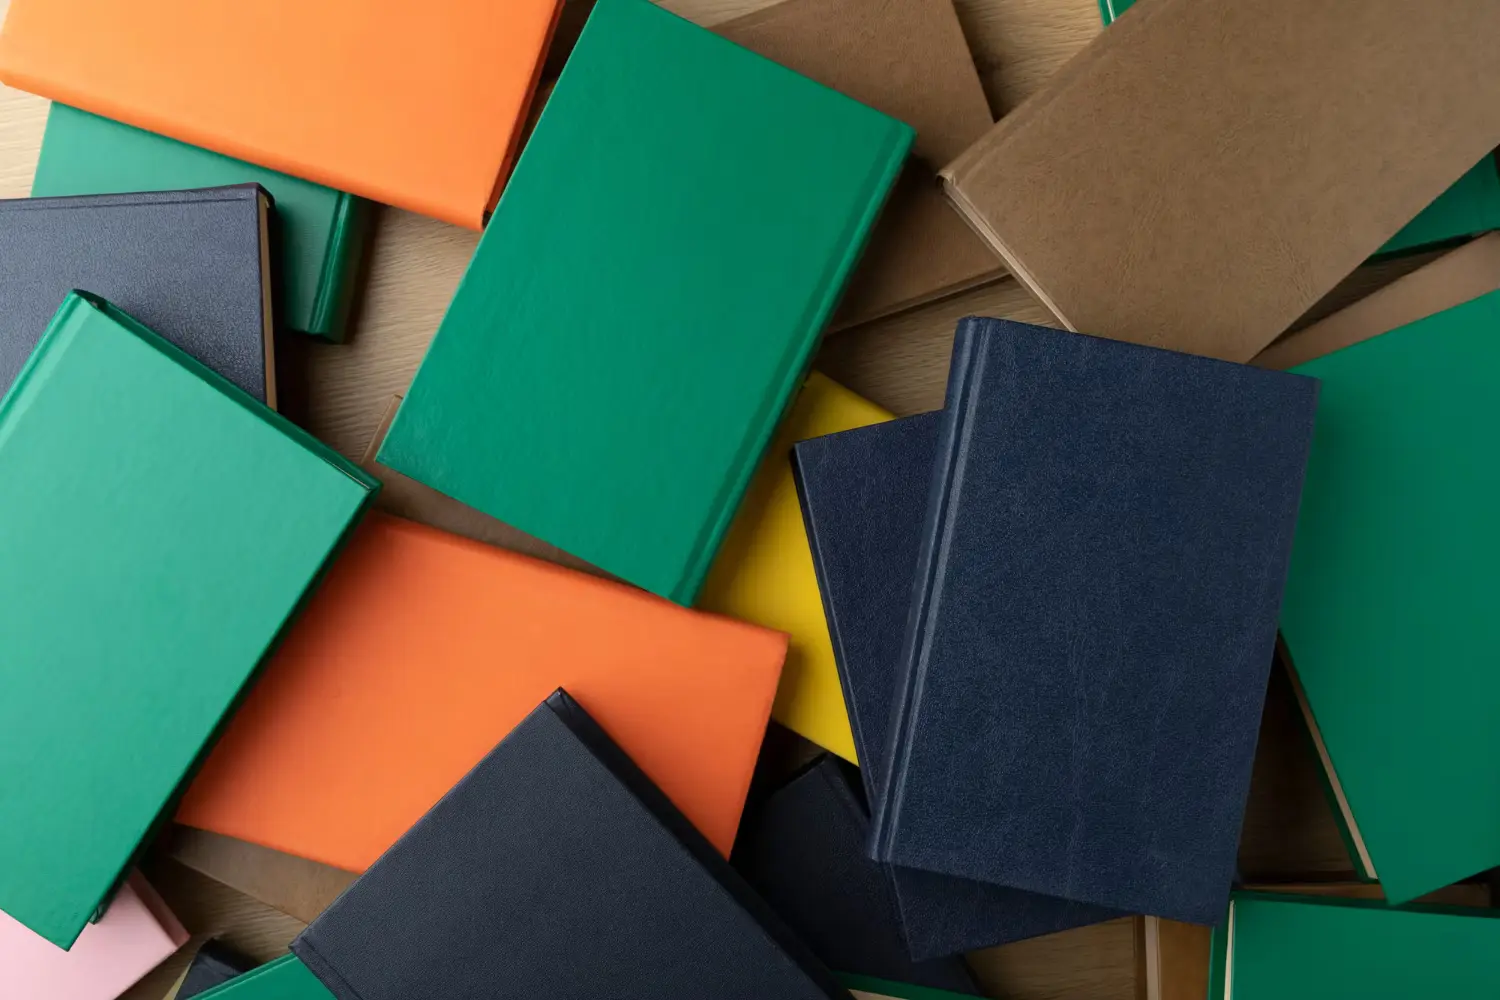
(1284, 948)
(1387, 620)
(421, 649)
(1453, 279)
(1402, 95)
(732, 203)
(864, 497)
(147, 563)
(803, 851)
(109, 957)
(909, 59)
(284, 979)
(188, 264)
(556, 837)
(1094, 619)
(213, 965)
(305, 88)
(764, 571)
(319, 231)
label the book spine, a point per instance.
(912, 665)
(60, 330)
(334, 299)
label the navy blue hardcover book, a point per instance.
(1093, 619)
(803, 851)
(556, 869)
(194, 266)
(864, 496)
(214, 965)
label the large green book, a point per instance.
(320, 232)
(1274, 947)
(286, 978)
(1470, 207)
(1388, 617)
(647, 296)
(158, 528)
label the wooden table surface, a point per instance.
(339, 392)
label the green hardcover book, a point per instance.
(147, 564)
(286, 978)
(870, 988)
(321, 232)
(647, 296)
(1388, 617)
(1273, 947)
(1470, 207)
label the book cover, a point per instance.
(872, 988)
(1094, 619)
(191, 265)
(803, 851)
(719, 229)
(421, 649)
(295, 886)
(284, 979)
(1121, 253)
(556, 836)
(136, 934)
(909, 59)
(319, 234)
(306, 89)
(1283, 947)
(1385, 622)
(864, 498)
(213, 965)
(148, 568)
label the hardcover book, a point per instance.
(319, 234)
(1386, 624)
(1286, 948)
(194, 266)
(871, 988)
(803, 851)
(909, 59)
(1289, 220)
(136, 934)
(1094, 619)
(306, 89)
(284, 979)
(421, 649)
(213, 965)
(556, 836)
(295, 886)
(720, 229)
(149, 566)
(864, 497)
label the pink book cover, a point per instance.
(136, 935)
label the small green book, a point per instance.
(286, 978)
(1275, 947)
(148, 561)
(870, 988)
(1470, 207)
(647, 296)
(321, 231)
(1388, 616)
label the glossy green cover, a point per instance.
(321, 231)
(147, 564)
(647, 296)
(1389, 614)
(286, 978)
(1286, 948)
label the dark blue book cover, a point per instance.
(1093, 620)
(214, 965)
(803, 851)
(864, 497)
(556, 869)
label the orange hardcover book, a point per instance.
(421, 650)
(416, 105)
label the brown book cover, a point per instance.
(1453, 279)
(909, 59)
(1205, 170)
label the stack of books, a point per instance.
(504, 736)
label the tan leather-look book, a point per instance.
(909, 59)
(1206, 170)
(1172, 958)
(1453, 279)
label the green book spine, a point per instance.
(321, 232)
